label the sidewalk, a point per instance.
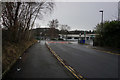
(106, 49)
(38, 63)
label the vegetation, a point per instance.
(53, 24)
(64, 30)
(18, 20)
(108, 34)
(11, 53)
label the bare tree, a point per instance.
(53, 26)
(53, 23)
(19, 17)
(64, 30)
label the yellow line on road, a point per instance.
(69, 68)
(72, 72)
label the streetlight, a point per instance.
(102, 17)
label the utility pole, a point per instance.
(102, 17)
(119, 11)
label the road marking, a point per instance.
(69, 68)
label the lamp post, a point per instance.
(119, 11)
(102, 17)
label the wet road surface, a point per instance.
(37, 62)
(88, 62)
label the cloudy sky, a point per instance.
(82, 15)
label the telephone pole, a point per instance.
(119, 11)
(102, 17)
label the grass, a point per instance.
(11, 53)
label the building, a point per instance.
(75, 37)
(70, 37)
(88, 38)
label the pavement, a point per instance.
(115, 51)
(37, 63)
(90, 63)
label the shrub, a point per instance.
(108, 34)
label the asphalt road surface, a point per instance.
(37, 62)
(88, 62)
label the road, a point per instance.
(37, 62)
(90, 63)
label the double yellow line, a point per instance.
(68, 67)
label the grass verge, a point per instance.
(11, 53)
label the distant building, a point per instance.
(77, 37)
(46, 33)
(70, 37)
(87, 37)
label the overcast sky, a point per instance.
(82, 15)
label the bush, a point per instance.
(109, 34)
